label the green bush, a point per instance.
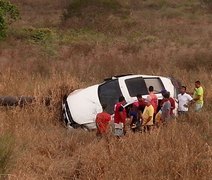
(38, 34)
(8, 14)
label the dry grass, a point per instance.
(157, 42)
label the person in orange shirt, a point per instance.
(102, 122)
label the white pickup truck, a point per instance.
(81, 106)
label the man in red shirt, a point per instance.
(102, 122)
(141, 103)
(120, 117)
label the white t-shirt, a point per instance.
(183, 100)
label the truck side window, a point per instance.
(136, 86)
(155, 82)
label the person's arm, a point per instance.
(197, 98)
(131, 119)
(121, 113)
(172, 101)
(173, 104)
(97, 125)
(190, 101)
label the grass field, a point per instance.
(58, 46)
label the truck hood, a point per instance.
(84, 104)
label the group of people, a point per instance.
(146, 114)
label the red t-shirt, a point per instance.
(117, 117)
(154, 101)
(102, 122)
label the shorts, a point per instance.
(198, 107)
(119, 132)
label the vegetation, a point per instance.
(46, 54)
(8, 13)
(207, 4)
(6, 150)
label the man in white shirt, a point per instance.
(184, 100)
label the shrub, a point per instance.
(8, 13)
(76, 6)
(38, 34)
(207, 4)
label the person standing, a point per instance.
(166, 108)
(147, 115)
(141, 103)
(198, 96)
(120, 117)
(184, 100)
(102, 122)
(171, 100)
(153, 99)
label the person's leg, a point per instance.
(180, 113)
(154, 118)
(198, 107)
(118, 132)
(138, 126)
(149, 128)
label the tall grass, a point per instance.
(6, 152)
(159, 42)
